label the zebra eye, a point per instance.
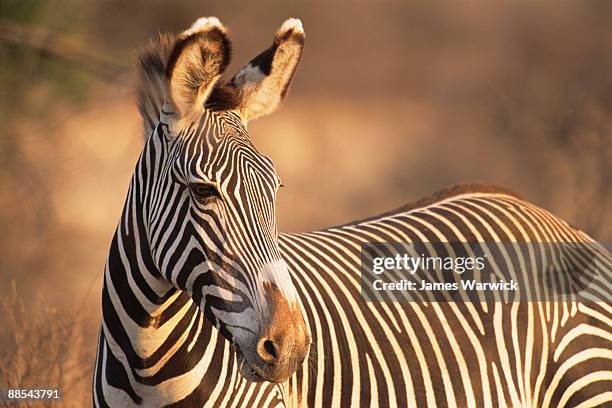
(205, 191)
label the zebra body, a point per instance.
(412, 354)
(190, 254)
(447, 354)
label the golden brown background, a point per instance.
(393, 100)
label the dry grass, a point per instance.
(44, 346)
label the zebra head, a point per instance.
(210, 204)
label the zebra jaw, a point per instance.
(246, 369)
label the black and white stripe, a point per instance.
(197, 247)
(541, 354)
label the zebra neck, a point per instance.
(156, 347)
(141, 308)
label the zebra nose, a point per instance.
(281, 349)
(268, 350)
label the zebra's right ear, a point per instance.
(198, 58)
(263, 83)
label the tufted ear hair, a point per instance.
(197, 60)
(263, 83)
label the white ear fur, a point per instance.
(203, 24)
(199, 56)
(263, 82)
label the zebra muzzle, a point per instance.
(282, 345)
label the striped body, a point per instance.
(414, 354)
(448, 354)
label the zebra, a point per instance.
(204, 303)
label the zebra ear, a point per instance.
(198, 58)
(263, 83)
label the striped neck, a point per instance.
(155, 333)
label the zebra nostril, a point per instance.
(270, 350)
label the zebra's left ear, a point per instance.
(263, 83)
(198, 58)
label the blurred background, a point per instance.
(393, 101)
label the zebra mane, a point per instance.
(441, 195)
(151, 88)
(456, 190)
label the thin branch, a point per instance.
(52, 45)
